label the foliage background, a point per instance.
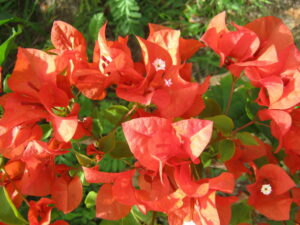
(35, 17)
(27, 23)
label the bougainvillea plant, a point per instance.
(190, 151)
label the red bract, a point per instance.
(291, 141)
(155, 141)
(152, 193)
(65, 38)
(292, 161)
(11, 180)
(280, 124)
(159, 78)
(37, 90)
(40, 212)
(162, 85)
(107, 207)
(67, 193)
(239, 45)
(247, 154)
(262, 47)
(198, 197)
(224, 208)
(284, 126)
(269, 194)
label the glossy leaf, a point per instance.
(246, 138)
(90, 199)
(226, 149)
(115, 113)
(212, 108)
(6, 89)
(223, 123)
(107, 143)
(121, 150)
(84, 160)
(1, 161)
(8, 44)
(9, 213)
(241, 213)
(95, 24)
(206, 159)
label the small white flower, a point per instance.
(189, 223)
(266, 189)
(168, 82)
(159, 64)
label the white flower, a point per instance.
(168, 82)
(266, 189)
(159, 64)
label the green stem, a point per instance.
(262, 124)
(125, 116)
(16, 188)
(153, 220)
(230, 95)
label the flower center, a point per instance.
(168, 82)
(159, 64)
(266, 189)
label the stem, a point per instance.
(125, 116)
(244, 126)
(230, 95)
(153, 218)
(17, 189)
(195, 172)
(249, 124)
(262, 124)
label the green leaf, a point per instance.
(246, 138)
(139, 216)
(47, 131)
(127, 16)
(9, 213)
(241, 213)
(225, 84)
(7, 18)
(107, 143)
(109, 164)
(115, 113)
(97, 127)
(86, 106)
(212, 108)
(205, 159)
(1, 161)
(6, 89)
(83, 160)
(95, 24)
(226, 148)
(9, 44)
(223, 123)
(121, 150)
(251, 109)
(90, 200)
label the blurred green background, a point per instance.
(27, 23)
